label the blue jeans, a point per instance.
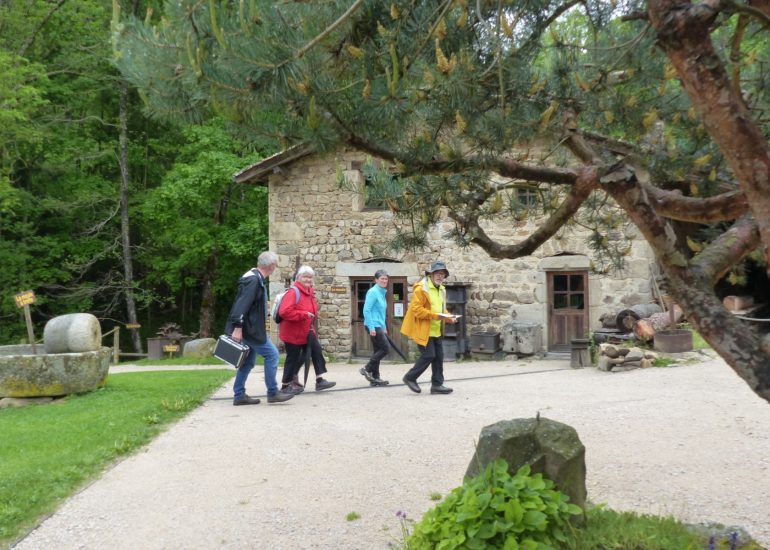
(270, 353)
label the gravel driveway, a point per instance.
(691, 441)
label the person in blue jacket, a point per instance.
(375, 308)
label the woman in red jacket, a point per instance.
(297, 318)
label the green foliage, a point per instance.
(49, 451)
(352, 516)
(609, 529)
(197, 214)
(663, 362)
(698, 343)
(497, 510)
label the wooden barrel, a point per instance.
(624, 321)
(73, 333)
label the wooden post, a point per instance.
(580, 354)
(116, 345)
(30, 331)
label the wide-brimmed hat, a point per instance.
(437, 266)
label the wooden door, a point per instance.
(567, 308)
(397, 304)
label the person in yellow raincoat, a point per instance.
(423, 323)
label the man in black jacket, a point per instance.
(246, 323)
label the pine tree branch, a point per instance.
(577, 195)
(727, 250)
(310, 45)
(675, 206)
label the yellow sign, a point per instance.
(171, 348)
(25, 298)
(338, 289)
(133, 325)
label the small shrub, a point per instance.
(497, 510)
(353, 516)
(435, 496)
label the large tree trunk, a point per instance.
(683, 31)
(691, 283)
(208, 298)
(128, 270)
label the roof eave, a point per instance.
(257, 173)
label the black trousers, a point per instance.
(317, 355)
(430, 354)
(295, 358)
(381, 349)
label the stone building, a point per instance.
(316, 222)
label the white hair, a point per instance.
(304, 270)
(267, 258)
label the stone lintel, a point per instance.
(564, 263)
(344, 269)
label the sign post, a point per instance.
(23, 300)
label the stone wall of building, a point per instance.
(313, 219)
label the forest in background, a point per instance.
(102, 209)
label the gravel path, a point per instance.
(690, 441)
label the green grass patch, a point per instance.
(609, 529)
(48, 451)
(353, 516)
(663, 362)
(213, 361)
(698, 343)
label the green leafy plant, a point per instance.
(497, 510)
(353, 516)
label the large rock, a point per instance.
(23, 374)
(202, 347)
(549, 447)
(72, 333)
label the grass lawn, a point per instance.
(48, 451)
(213, 361)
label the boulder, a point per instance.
(23, 374)
(202, 347)
(549, 447)
(72, 333)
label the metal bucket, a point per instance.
(673, 341)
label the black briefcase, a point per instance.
(230, 351)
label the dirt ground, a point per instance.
(690, 441)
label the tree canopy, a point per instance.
(661, 105)
(66, 120)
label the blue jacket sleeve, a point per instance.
(370, 316)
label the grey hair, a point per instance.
(379, 273)
(304, 270)
(267, 258)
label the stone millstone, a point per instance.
(202, 347)
(23, 374)
(549, 447)
(73, 333)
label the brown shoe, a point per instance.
(323, 384)
(279, 397)
(245, 400)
